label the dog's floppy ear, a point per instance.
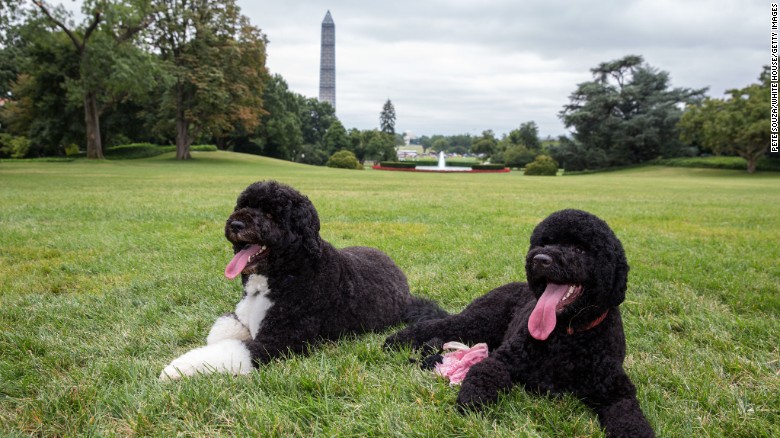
(619, 278)
(307, 225)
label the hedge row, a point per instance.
(735, 163)
(496, 166)
(398, 164)
(203, 148)
(413, 164)
(146, 150)
(137, 150)
(436, 163)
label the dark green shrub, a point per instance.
(494, 166)
(398, 164)
(424, 162)
(203, 148)
(735, 163)
(13, 146)
(72, 150)
(311, 154)
(137, 150)
(147, 150)
(344, 159)
(248, 147)
(427, 162)
(518, 156)
(542, 165)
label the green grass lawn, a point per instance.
(109, 270)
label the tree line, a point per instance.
(303, 129)
(629, 114)
(159, 71)
(185, 71)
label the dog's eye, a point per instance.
(269, 215)
(579, 250)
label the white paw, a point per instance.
(227, 356)
(227, 327)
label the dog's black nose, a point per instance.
(542, 259)
(237, 226)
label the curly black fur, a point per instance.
(318, 292)
(582, 355)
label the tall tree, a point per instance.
(108, 25)
(379, 146)
(356, 144)
(573, 156)
(440, 144)
(460, 143)
(425, 141)
(316, 117)
(216, 63)
(387, 118)
(737, 124)
(485, 145)
(11, 45)
(279, 131)
(526, 135)
(628, 110)
(38, 106)
(336, 138)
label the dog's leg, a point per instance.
(226, 356)
(423, 334)
(624, 418)
(228, 326)
(617, 406)
(484, 320)
(286, 335)
(484, 381)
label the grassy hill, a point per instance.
(108, 270)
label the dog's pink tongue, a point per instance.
(542, 320)
(239, 261)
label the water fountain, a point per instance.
(442, 166)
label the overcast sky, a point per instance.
(464, 66)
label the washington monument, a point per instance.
(328, 61)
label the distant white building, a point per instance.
(408, 137)
(404, 154)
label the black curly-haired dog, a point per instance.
(298, 288)
(559, 333)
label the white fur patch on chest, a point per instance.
(251, 310)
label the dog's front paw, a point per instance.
(398, 340)
(228, 327)
(431, 347)
(431, 353)
(430, 362)
(408, 338)
(227, 356)
(482, 385)
(176, 370)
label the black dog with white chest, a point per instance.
(559, 333)
(298, 289)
